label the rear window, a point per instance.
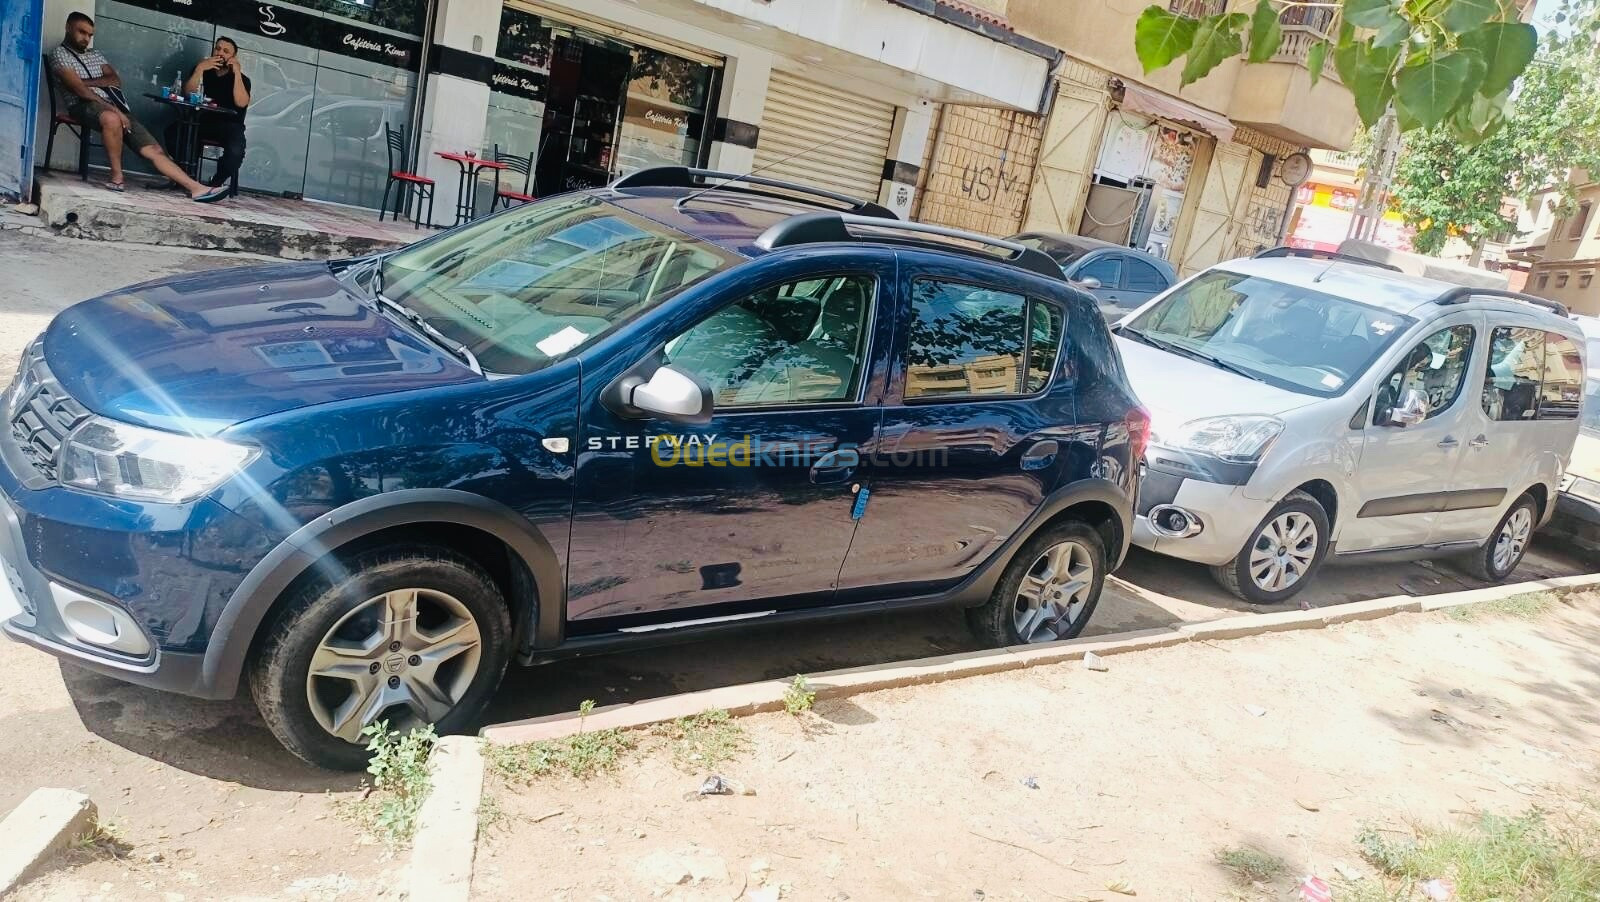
(969, 340)
(1532, 375)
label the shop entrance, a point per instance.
(588, 82)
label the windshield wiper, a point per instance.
(422, 325)
(1191, 353)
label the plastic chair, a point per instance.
(513, 163)
(408, 182)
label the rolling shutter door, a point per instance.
(801, 114)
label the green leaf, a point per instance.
(1346, 61)
(1431, 90)
(1475, 72)
(1369, 13)
(1394, 33)
(1507, 48)
(1316, 58)
(1266, 34)
(1462, 16)
(1373, 84)
(1218, 38)
(1159, 37)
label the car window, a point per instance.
(1516, 369)
(1437, 367)
(1144, 277)
(796, 343)
(1561, 397)
(969, 340)
(1292, 337)
(1106, 267)
(546, 280)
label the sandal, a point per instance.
(212, 196)
(118, 187)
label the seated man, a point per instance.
(94, 99)
(219, 79)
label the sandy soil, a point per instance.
(1288, 742)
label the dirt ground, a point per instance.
(1289, 743)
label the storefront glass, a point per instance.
(590, 107)
(326, 75)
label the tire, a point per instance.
(1296, 509)
(350, 626)
(1487, 563)
(997, 622)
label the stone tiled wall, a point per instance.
(979, 169)
(1263, 215)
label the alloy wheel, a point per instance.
(405, 657)
(1054, 593)
(1513, 539)
(1283, 552)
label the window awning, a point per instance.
(1140, 99)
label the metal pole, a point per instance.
(414, 140)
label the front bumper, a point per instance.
(1227, 518)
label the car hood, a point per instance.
(1176, 389)
(200, 353)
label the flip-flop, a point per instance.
(118, 187)
(212, 196)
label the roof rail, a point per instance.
(813, 228)
(1285, 250)
(1460, 295)
(707, 180)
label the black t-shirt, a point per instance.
(217, 85)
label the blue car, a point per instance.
(681, 404)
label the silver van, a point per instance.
(1303, 408)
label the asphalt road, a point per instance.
(47, 709)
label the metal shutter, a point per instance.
(801, 114)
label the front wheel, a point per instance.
(408, 636)
(1494, 561)
(1282, 555)
(1048, 590)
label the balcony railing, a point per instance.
(1304, 26)
(1197, 9)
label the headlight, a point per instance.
(1238, 439)
(142, 464)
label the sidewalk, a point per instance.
(1287, 743)
(276, 227)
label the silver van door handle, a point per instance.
(1479, 442)
(1448, 441)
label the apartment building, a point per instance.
(1565, 270)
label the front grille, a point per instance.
(40, 412)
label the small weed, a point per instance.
(583, 754)
(677, 567)
(1526, 606)
(798, 698)
(104, 838)
(1494, 857)
(490, 814)
(400, 782)
(704, 740)
(1247, 865)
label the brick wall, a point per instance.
(979, 169)
(1264, 213)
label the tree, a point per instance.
(1445, 63)
(1551, 125)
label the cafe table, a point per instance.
(189, 119)
(467, 195)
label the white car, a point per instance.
(1303, 408)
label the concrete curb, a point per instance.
(45, 822)
(447, 825)
(754, 698)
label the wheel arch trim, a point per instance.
(247, 607)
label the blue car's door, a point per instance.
(752, 511)
(977, 426)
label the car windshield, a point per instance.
(1301, 340)
(1591, 392)
(525, 288)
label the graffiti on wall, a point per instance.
(1260, 227)
(986, 184)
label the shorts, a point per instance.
(87, 113)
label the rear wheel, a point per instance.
(1505, 550)
(407, 636)
(1282, 555)
(1048, 590)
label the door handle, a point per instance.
(1040, 456)
(835, 466)
(1479, 442)
(1449, 441)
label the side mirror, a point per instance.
(1412, 409)
(1090, 283)
(669, 394)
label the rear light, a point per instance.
(1138, 423)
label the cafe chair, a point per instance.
(205, 145)
(57, 120)
(513, 163)
(409, 182)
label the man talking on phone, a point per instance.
(219, 79)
